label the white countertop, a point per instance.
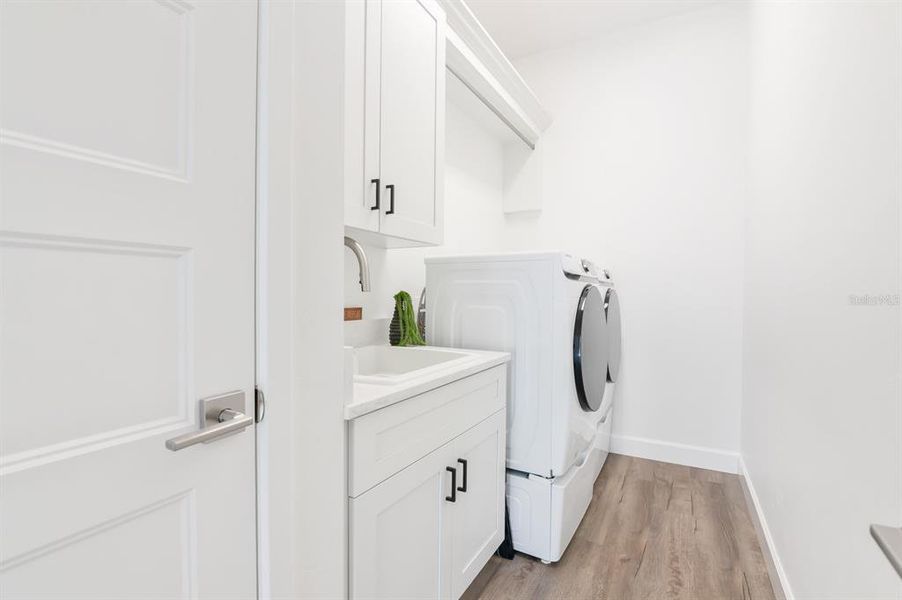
(364, 398)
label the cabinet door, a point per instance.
(479, 511)
(362, 24)
(412, 86)
(401, 533)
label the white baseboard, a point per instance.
(778, 578)
(679, 454)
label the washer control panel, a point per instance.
(582, 268)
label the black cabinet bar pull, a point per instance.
(391, 198)
(378, 193)
(453, 496)
(463, 488)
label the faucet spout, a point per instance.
(357, 249)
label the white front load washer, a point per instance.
(558, 316)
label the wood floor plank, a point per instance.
(653, 531)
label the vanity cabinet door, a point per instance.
(401, 533)
(479, 510)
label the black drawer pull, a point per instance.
(463, 488)
(453, 496)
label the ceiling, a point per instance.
(523, 27)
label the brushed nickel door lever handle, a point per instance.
(218, 419)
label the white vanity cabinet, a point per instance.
(396, 121)
(427, 490)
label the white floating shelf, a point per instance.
(477, 61)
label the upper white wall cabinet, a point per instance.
(396, 89)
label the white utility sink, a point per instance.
(390, 365)
(378, 376)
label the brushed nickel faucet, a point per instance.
(357, 249)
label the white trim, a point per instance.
(474, 57)
(775, 565)
(302, 502)
(261, 300)
(714, 459)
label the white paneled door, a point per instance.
(126, 296)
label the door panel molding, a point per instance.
(14, 248)
(186, 500)
(56, 88)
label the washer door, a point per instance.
(612, 318)
(590, 349)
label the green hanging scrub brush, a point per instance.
(406, 322)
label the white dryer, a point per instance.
(558, 316)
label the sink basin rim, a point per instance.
(390, 365)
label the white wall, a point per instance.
(645, 173)
(822, 409)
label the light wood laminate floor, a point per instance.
(653, 530)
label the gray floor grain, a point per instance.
(653, 530)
